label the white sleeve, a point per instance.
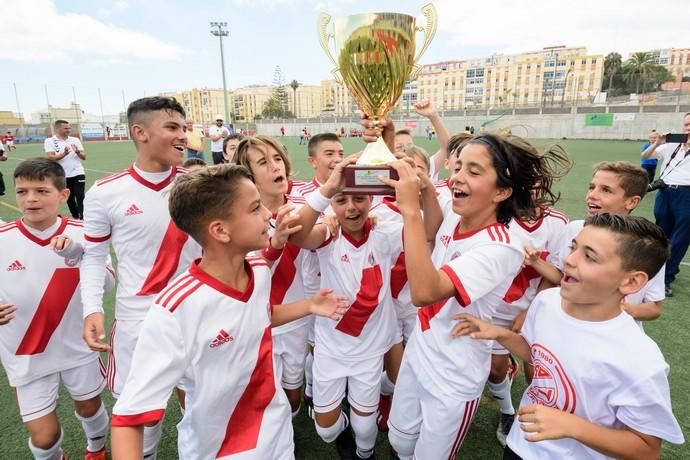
(110, 276)
(433, 174)
(528, 327)
(48, 145)
(655, 288)
(97, 236)
(158, 364)
(645, 406)
(481, 270)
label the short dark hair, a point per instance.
(233, 136)
(152, 104)
(319, 138)
(206, 194)
(634, 179)
(58, 123)
(642, 245)
(40, 169)
(456, 142)
(193, 162)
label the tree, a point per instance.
(612, 65)
(294, 84)
(639, 67)
(273, 109)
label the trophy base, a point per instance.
(364, 180)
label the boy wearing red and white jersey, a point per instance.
(541, 234)
(600, 387)
(211, 328)
(129, 211)
(41, 314)
(616, 187)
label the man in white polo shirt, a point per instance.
(68, 151)
(217, 134)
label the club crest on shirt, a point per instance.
(550, 385)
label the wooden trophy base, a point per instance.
(364, 180)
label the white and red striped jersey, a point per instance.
(132, 214)
(387, 211)
(481, 265)
(290, 271)
(543, 235)
(45, 335)
(360, 270)
(216, 341)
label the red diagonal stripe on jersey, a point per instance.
(167, 260)
(242, 432)
(50, 311)
(365, 303)
(284, 274)
(521, 282)
(398, 276)
(426, 313)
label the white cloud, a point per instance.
(121, 5)
(600, 25)
(39, 33)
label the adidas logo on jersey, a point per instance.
(345, 258)
(16, 266)
(221, 338)
(445, 239)
(133, 210)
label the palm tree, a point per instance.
(294, 84)
(612, 65)
(640, 65)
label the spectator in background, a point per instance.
(195, 141)
(282, 131)
(69, 152)
(672, 205)
(649, 164)
(218, 133)
(9, 141)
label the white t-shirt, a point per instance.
(131, 212)
(678, 172)
(653, 291)
(71, 163)
(361, 271)
(217, 342)
(481, 266)
(542, 236)
(607, 372)
(45, 335)
(217, 146)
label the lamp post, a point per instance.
(219, 30)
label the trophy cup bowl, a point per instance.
(375, 57)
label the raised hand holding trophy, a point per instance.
(376, 55)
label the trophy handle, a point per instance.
(324, 38)
(429, 29)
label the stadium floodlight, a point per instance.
(219, 29)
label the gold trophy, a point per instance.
(376, 55)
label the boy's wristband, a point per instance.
(318, 202)
(271, 253)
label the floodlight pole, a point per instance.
(219, 30)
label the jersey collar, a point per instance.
(27, 233)
(221, 287)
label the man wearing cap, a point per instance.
(217, 133)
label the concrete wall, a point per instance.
(630, 122)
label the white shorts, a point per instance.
(10, 143)
(333, 375)
(123, 340)
(407, 320)
(497, 348)
(438, 423)
(39, 397)
(290, 353)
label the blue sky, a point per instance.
(143, 47)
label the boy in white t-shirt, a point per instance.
(616, 187)
(211, 328)
(40, 314)
(129, 210)
(600, 385)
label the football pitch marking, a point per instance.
(12, 207)
(85, 169)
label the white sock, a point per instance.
(52, 453)
(501, 393)
(308, 375)
(330, 433)
(95, 429)
(152, 436)
(387, 387)
(365, 431)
